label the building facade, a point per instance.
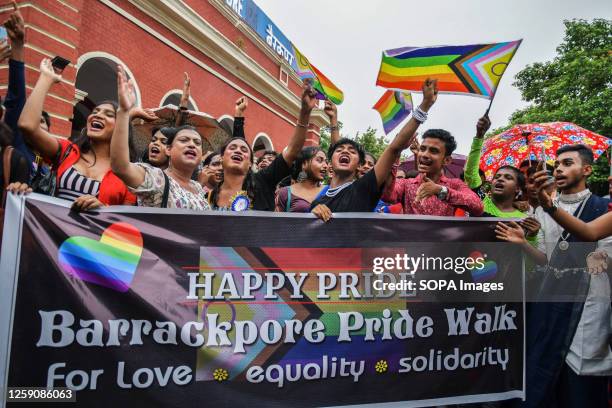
(158, 40)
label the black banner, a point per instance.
(142, 307)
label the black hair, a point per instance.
(84, 143)
(209, 158)
(343, 141)
(305, 155)
(6, 135)
(265, 153)
(166, 131)
(286, 182)
(586, 154)
(481, 173)
(46, 118)
(248, 184)
(520, 177)
(172, 132)
(450, 144)
(371, 155)
(412, 174)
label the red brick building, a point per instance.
(157, 40)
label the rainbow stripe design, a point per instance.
(325, 88)
(110, 262)
(393, 107)
(464, 69)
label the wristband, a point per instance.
(419, 115)
(302, 125)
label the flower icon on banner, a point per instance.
(381, 366)
(220, 374)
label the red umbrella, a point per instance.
(453, 170)
(526, 142)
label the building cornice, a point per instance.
(186, 23)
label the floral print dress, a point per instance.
(151, 192)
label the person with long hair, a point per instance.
(84, 173)
(309, 171)
(242, 189)
(154, 187)
(155, 154)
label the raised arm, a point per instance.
(29, 121)
(241, 105)
(406, 136)
(296, 143)
(331, 110)
(184, 102)
(131, 174)
(472, 177)
(593, 231)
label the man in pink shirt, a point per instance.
(432, 193)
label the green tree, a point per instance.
(371, 142)
(574, 87)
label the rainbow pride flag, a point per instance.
(393, 107)
(463, 69)
(325, 88)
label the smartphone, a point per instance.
(3, 34)
(59, 63)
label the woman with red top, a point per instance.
(83, 166)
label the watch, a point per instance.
(443, 193)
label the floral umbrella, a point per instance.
(207, 126)
(525, 142)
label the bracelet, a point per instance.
(549, 210)
(183, 108)
(332, 128)
(419, 115)
(302, 125)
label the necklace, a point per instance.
(332, 192)
(563, 244)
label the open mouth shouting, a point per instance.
(237, 158)
(154, 151)
(344, 159)
(498, 187)
(191, 154)
(424, 164)
(96, 125)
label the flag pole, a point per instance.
(490, 103)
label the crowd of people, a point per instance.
(568, 359)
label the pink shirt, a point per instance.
(459, 196)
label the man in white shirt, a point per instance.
(573, 367)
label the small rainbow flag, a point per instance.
(394, 107)
(464, 69)
(325, 87)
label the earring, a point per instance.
(302, 176)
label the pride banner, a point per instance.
(146, 307)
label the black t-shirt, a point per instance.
(266, 181)
(361, 196)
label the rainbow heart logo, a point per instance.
(109, 262)
(487, 272)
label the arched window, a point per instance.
(262, 142)
(173, 97)
(96, 81)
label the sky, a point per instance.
(345, 39)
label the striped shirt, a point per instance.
(73, 184)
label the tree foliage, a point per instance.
(370, 141)
(576, 86)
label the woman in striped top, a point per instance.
(83, 166)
